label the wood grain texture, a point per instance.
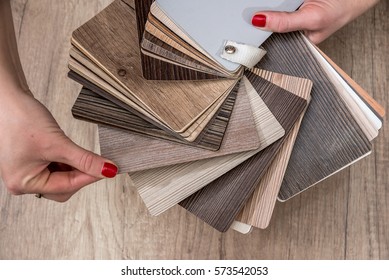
(155, 69)
(347, 217)
(90, 103)
(162, 188)
(220, 201)
(176, 104)
(329, 137)
(259, 208)
(135, 153)
(360, 109)
(91, 76)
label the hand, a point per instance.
(317, 18)
(37, 158)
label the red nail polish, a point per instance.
(259, 20)
(109, 170)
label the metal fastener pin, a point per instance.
(230, 49)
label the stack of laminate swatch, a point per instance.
(223, 141)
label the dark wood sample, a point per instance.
(220, 201)
(329, 138)
(95, 105)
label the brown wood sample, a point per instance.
(176, 104)
(329, 138)
(92, 77)
(99, 107)
(133, 152)
(220, 201)
(259, 208)
(162, 188)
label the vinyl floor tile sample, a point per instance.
(135, 153)
(102, 109)
(220, 201)
(162, 188)
(176, 104)
(209, 138)
(259, 208)
(91, 76)
(329, 138)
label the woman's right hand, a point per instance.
(317, 18)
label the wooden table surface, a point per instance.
(344, 217)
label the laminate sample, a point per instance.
(163, 188)
(329, 138)
(135, 153)
(259, 208)
(109, 40)
(220, 201)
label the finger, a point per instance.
(58, 197)
(282, 22)
(83, 160)
(59, 183)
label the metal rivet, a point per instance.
(122, 72)
(230, 49)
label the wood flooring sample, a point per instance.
(259, 208)
(329, 138)
(134, 152)
(220, 201)
(110, 40)
(162, 188)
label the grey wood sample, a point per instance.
(329, 138)
(220, 201)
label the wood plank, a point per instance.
(220, 201)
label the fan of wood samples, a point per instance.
(224, 141)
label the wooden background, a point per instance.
(344, 217)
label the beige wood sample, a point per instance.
(162, 188)
(133, 152)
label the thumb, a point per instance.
(86, 161)
(282, 22)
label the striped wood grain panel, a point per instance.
(99, 107)
(219, 202)
(163, 188)
(109, 39)
(329, 138)
(259, 208)
(93, 75)
(135, 153)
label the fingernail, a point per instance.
(259, 20)
(109, 170)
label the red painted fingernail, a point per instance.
(259, 20)
(109, 170)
